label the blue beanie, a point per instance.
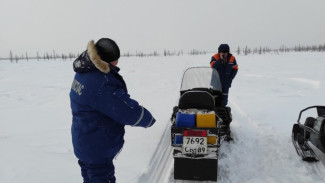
(224, 48)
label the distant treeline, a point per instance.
(47, 56)
(263, 50)
(239, 51)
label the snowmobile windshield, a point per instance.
(201, 77)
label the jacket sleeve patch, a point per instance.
(77, 87)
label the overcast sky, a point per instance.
(149, 25)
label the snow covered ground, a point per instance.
(266, 97)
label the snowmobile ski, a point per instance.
(302, 147)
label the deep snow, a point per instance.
(266, 97)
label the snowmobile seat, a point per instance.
(310, 122)
(196, 100)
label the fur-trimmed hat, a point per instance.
(103, 52)
(107, 49)
(224, 48)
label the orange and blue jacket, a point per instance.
(227, 68)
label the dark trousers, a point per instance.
(224, 99)
(98, 173)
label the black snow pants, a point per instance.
(98, 173)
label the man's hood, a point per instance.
(89, 60)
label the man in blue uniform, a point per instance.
(226, 65)
(101, 107)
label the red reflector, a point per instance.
(197, 133)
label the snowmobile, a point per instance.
(309, 138)
(199, 123)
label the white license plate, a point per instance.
(195, 145)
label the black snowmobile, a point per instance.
(199, 123)
(309, 138)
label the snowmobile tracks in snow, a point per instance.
(161, 162)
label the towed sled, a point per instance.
(199, 123)
(309, 137)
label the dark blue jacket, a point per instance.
(101, 107)
(227, 69)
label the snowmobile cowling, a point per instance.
(309, 137)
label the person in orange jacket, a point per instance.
(226, 65)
